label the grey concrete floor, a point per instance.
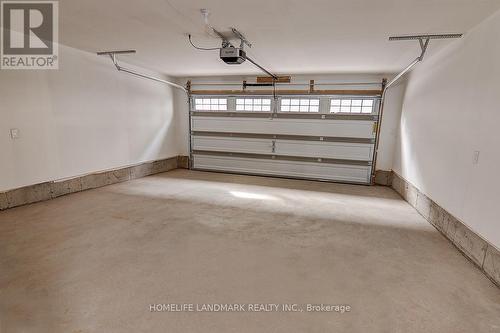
(94, 261)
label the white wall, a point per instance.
(87, 117)
(391, 113)
(82, 118)
(451, 108)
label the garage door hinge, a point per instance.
(375, 125)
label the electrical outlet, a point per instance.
(475, 157)
(15, 133)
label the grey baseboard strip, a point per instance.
(383, 177)
(53, 189)
(483, 254)
(183, 162)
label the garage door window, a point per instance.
(299, 105)
(210, 104)
(253, 104)
(338, 105)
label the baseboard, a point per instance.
(183, 162)
(483, 254)
(53, 189)
(383, 177)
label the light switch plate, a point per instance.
(475, 157)
(15, 133)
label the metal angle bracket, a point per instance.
(225, 41)
(243, 40)
(423, 47)
(423, 41)
(113, 56)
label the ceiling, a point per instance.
(288, 36)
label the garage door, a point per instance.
(310, 137)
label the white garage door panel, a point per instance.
(338, 150)
(313, 127)
(324, 149)
(325, 137)
(238, 145)
(338, 172)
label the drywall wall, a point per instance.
(82, 118)
(389, 124)
(451, 110)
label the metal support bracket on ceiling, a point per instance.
(243, 42)
(424, 41)
(113, 54)
(226, 42)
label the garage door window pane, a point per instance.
(253, 104)
(210, 104)
(353, 106)
(299, 105)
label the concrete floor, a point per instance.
(94, 261)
